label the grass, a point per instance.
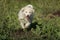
(45, 25)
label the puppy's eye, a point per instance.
(26, 11)
(30, 12)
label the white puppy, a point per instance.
(25, 16)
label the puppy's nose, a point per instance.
(27, 15)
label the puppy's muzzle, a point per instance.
(28, 17)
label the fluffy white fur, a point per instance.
(25, 16)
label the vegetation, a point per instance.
(45, 25)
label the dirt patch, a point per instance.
(57, 13)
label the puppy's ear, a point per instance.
(22, 10)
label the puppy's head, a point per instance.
(28, 11)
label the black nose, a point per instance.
(27, 15)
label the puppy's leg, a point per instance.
(27, 24)
(22, 24)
